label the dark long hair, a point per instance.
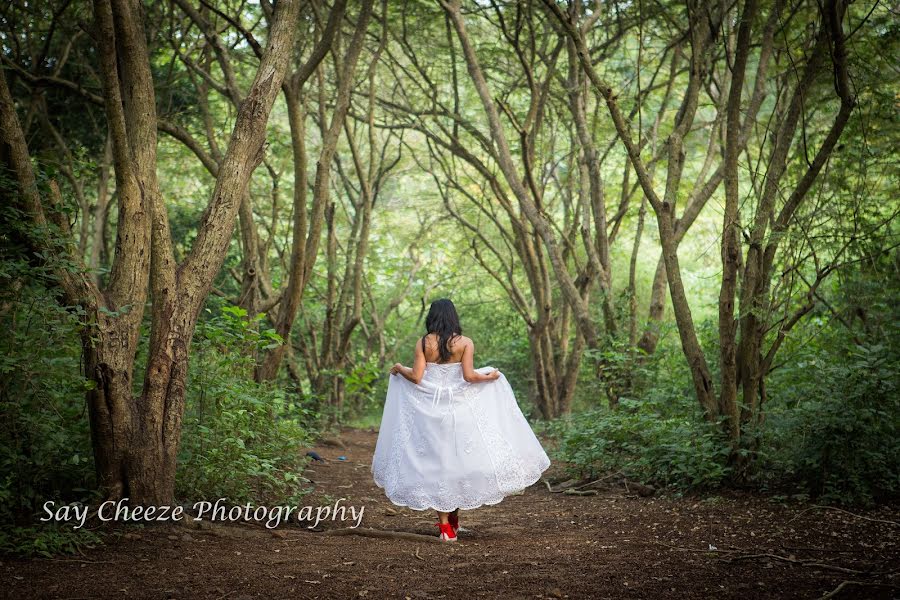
(443, 321)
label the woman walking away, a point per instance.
(452, 436)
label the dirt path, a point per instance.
(536, 545)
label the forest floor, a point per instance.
(535, 545)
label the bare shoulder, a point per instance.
(465, 342)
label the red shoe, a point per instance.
(453, 518)
(447, 533)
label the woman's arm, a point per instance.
(418, 369)
(468, 361)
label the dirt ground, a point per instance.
(614, 544)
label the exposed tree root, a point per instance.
(595, 481)
(847, 583)
(227, 531)
(378, 533)
(815, 506)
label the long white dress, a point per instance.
(446, 443)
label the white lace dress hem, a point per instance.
(446, 444)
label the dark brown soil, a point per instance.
(536, 545)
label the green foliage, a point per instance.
(644, 444)
(46, 540)
(834, 422)
(45, 449)
(657, 434)
(362, 381)
(832, 426)
(232, 330)
(241, 440)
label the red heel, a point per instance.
(447, 532)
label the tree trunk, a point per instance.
(731, 228)
(650, 337)
(99, 253)
(755, 291)
(303, 258)
(135, 439)
(700, 374)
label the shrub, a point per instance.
(241, 440)
(45, 447)
(46, 540)
(645, 443)
(834, 423)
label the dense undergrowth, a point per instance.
(830, 432)
(241, 440)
